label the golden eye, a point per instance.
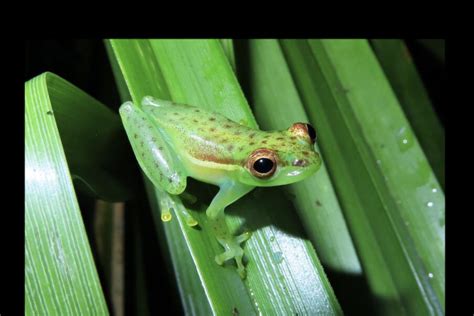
(303, 130)
(311, 132)
(262, 163)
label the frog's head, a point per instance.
(292, 161)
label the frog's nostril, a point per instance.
(300, 163)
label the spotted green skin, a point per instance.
(175, 141)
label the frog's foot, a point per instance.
(233, 251)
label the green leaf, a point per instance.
(63, 122)
(277, 106)
(284, 275)
(228, 46)
(398, 66)
(392, 202)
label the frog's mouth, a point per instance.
(295, 173)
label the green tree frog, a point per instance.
(175, 141)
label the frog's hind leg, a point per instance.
(157, 160)
(155, 156)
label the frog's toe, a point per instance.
(244, 237)
(191, 222)
(189, 219)
(166, 217)
(166, 214)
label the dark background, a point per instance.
(85, 64)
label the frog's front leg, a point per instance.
(228, 193)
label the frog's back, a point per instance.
(205, 135)
(210, 136)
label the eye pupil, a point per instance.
(311, 132)
(263, 165)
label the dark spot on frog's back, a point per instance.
(212, 129)
(195, 121)
(212, 119)
(230, 147)
(252, 135)
(197, 110)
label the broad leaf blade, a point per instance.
(392, 201)
(277, 106)
(228, 46)
(407, 85)
(60, 275)
(280, 265)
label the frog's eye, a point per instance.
(303, 130)
(262, 163)
(311, 133)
